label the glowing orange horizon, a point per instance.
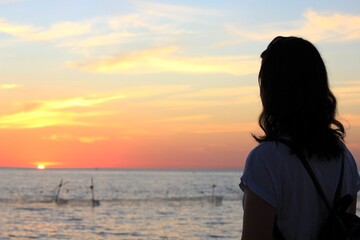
(135, 86)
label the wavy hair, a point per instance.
(297, 101)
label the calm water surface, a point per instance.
(134, 204)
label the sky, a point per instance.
(155, 84)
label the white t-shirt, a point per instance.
(278, 177)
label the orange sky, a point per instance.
(154, 84)
(178, 150)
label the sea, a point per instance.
(119, 204)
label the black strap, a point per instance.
(315, 180)
(317, 184)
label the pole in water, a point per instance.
(95, 203)
(213, 193)
(216, 200)
(58, 192)
(58, 200)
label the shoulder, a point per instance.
(268, 155)
(350, 161)
(348, 155)
(351, 171)
(268, 150)
(263, 171)
(272, 157)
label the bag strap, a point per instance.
(317, 184)
(315, 180)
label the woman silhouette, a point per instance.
(299, 108)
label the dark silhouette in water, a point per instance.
(58, 200)
(95, 203)
(216, 200)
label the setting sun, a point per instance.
(41, 167)
(169, 84)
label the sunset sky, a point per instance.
(155, 84)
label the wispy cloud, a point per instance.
(221, 128)
(123, 22)
(99, 40)
(209, 98)
(167, 59)
(44, 118)
(174, 12)
(110, 30)
(69, 137)
(224, 92)
(350, 120)
(9, 86)
(182, 119)
(214, 128)
(9, 1)
(316, 26)
(83, 110)
(56, 31)
(348, 92)
(61, 112)
(79, 102)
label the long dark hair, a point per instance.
(297, 101)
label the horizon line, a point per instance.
(119, 168)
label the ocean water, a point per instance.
(133, 204)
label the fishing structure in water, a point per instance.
(216, 200)
(95, 203)
(60, 201)
(210, 198)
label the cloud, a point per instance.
(236, 127)
(69, 137)
(221, 128)
(149, 20)
(167, 59)
(351, 120)
(205, 98)
(76, 34)
(182, 119)
(221, 93)
(173, 12)
(348, 92)
(101, 40)
(133, 20)
(9, 1)
(44, 118)
(147, 110)
(9, 86)
(63, 112)
(316, 26)
(79, 102)
(109, 30)
(331, 27)
(81, 111)
(56, 31)
(143, 25)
